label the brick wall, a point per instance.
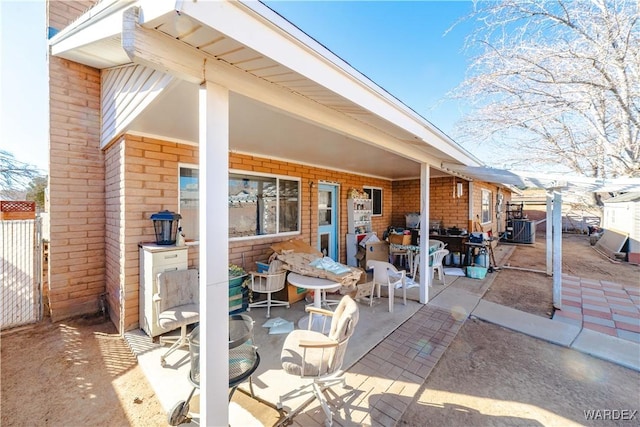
(442, 205)
(406, 199)
(142, 178)
(451, 211)
(258, 249)
(62, 13)
(76, 180)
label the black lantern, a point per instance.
(166, 225)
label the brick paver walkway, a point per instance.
(386, 380)
(602, 306)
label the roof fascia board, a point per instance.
(319, 49)
(161, 52)
(102, 21)
(485, 174)
(258, 32)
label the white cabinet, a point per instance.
(359, 213)
(156, 259)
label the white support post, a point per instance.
(214, 257)
(549, 234)
(557, 250)
(471, 211)
(425, 277)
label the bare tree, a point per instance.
(556, 83)
(14, 174)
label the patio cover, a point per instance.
(547, 181)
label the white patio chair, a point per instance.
(386, 274)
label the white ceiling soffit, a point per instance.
(252, 131)
(279, 55)
(126, 93)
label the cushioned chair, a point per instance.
(267, 283)
(311, 354)
(177, 305)
(386, 274)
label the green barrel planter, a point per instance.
(238, 296)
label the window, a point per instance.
(375, 194)
(189, 205)
(263, 205)
(486, 206)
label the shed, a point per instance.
(622, 218)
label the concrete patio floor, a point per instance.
(385, 367)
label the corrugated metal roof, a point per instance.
(623, 198)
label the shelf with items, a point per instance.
(359, 212)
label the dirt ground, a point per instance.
(491, 376)
(533, 291)
(82, 373)
(75, 373)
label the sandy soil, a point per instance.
(533, 291)
(491, 376)
(82, 373)
(71, 374)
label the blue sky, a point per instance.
(24, 101)
(400, 45)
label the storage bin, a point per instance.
(482, 259)
(476, 272)
(412, 219)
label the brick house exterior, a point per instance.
(76, 179)
(101, 198)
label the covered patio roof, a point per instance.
(290, 99)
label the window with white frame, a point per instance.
(261, 205)
(189, 206)
(486, 206)
(375, 194)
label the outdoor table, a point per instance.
(317, 285)
(412, 252)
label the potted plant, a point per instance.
(236, 275)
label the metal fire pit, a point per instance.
(243, 361)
